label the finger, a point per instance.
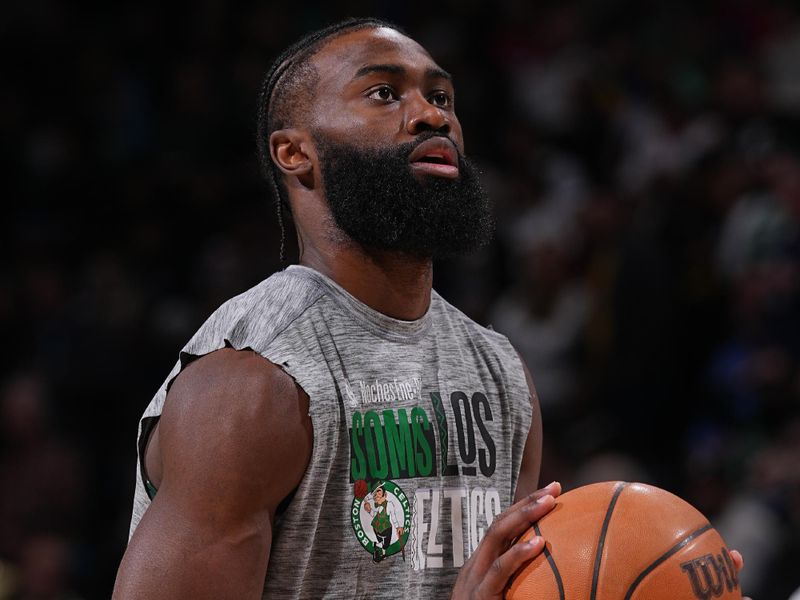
(505, 565)
(551, 489)
(514, 523)
(738, 561)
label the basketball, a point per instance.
(360, 489)
(625, 541)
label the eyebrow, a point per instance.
(391, 69)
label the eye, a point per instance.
(383, 93)
(441, 99)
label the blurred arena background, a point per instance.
(644, 158)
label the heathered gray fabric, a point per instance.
(377, 380)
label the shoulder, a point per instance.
(228, 410)
(261, 313)
(235, 388)
(229, 373)
(443, 309)
(483, 336)
(290, 289)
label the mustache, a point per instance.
(400, 151)
(407, 148)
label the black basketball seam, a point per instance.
(664, 557)
(552, 562)
(601, 543)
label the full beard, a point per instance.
(379, 204)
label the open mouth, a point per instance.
(436, 156)
(436, 160)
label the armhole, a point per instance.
(148, 425)
(284, 504)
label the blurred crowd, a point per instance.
(644, 159)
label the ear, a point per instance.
(290, 149)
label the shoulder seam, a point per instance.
(297, 316)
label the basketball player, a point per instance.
(249, 451)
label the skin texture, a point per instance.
(235, 437)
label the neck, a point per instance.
(397, 285)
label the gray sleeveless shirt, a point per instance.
(419, 429)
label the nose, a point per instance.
(423, 116)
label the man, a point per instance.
(250, 449)
(346, 370)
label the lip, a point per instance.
(439, 148)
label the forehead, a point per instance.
(340, 59)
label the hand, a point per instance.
(485, 575)
(400, 531)
(367, 507)
(738, 562)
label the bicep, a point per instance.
(528, 480)
(175, 553)
(235, 439)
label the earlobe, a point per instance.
(288, 148)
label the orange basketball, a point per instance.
(625, 541)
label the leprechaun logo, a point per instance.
(381, 518)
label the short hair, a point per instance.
(292, 75)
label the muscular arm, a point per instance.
(234, 439)
(532, 454)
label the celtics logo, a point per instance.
(381, 518)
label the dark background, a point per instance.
(645, 163)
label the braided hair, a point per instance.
(290, 76)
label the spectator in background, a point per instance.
(45, 570)
(45, 474)
(46, 486)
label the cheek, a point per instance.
(356, 124)
(457, 135)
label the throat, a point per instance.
(394, 284)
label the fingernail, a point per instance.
(534, 541)
(545, 498)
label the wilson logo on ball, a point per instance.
(710, 576)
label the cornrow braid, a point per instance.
(290, 74)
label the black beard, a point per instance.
(378, 202)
